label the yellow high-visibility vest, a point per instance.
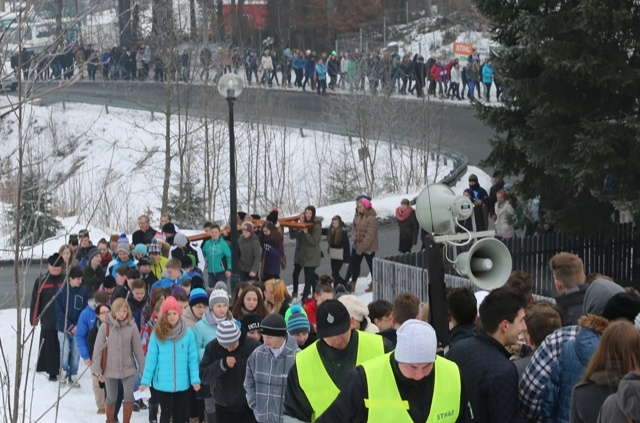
(386, 405)
(316, 382)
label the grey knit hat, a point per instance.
(228, 333)
(219, 294)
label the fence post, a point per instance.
(438, 294)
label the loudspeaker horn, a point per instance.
(437, 204)
(487, 264)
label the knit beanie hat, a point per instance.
(75, 272)
(154, 248)
(123, 244)
(109, 282)
(417, 343)
(250, 322)
(274, 325)
(473, 177)
(92, 253)
(159, 236)
(197, 282)
(181, 239)
(273, 216)
(219, 294)
(177, 290)
(198, 296)
(169, 228)
(361, 196)
(144, 261)
(170, 303)
(332, 319)
(623, 305)
(55, 260)
(140, 248)
(597, 295)
(356, 308)
(248, 226)
(228, 333)
(298, 322)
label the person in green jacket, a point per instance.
(218, 256)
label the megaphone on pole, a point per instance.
(487, 264)
(437, 206)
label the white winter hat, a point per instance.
(637, 322)
(417, 343)
(356, 308)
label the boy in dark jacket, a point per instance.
(224, 367)
(70, 302)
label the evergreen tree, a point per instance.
(37, 222)
(569, 125)
(187, 205)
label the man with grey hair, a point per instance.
(145, 234)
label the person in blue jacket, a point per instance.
(86, 322)
(218, 256)
(487, 78)
(70, 302)
(172, 362)
(321, 72)
(299, 63)
(310, 71)
(174, 276)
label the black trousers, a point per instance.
(49, 358)
(173, 405)
(310, 281)
(244, 415)
(356, 261)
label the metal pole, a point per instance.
(384, 30)
(406, 8)
(438, 293)
(233, 221)
(360, 40)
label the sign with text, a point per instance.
(462, 50)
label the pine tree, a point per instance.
(37, 222)
(187, 205)
(569, 125)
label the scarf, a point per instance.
(212, 319)
(244, 311)
(403, 215)
(177, 332)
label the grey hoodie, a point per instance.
(624, 405)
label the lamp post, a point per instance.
(230, 86)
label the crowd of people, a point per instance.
(157, 312)
(386, 72)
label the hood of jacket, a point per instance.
(628, 394)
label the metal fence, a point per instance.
(614, 256)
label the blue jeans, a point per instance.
(69, 353)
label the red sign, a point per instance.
(462, 49)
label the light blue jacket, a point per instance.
(487, 73)
(172, 366)
(205, 332)
(214, 252)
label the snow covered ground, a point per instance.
(116, 161)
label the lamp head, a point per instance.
(230, 85)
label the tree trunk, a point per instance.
(192, 17)
(220, 21)
(240, 31)
(124, 22)
(58, 12)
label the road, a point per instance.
(405, 120)
(401, 120)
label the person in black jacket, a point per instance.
(43, 311)
(569, 279)
(463, 310)
(223, 367)
(408, 225)
(490, 378)
(339, 249)
(412, 372)
(145, 234)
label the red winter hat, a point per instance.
(170, 303)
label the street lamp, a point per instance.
(230, 86)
